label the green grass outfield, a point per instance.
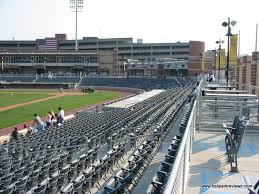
(11, 98)
(25, 113)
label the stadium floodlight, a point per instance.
(76, 6)
(228, 24)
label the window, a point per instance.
(179, 46)
(180, 53)
(161, 53)
(107, 43)
(87, 43)
(141, 54)
(161, 47)
(124, 48)
(106, 49)
(67, 44)
(141, 48)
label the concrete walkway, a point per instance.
(209, 166)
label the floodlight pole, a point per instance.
(227, 24)
(76, 6)
(2, 66)
(76, 45)
(228, 35)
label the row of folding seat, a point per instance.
(125, 176)
(143, 83)
(39, 149)
(122, 178)
(84, 181)
(164, 170)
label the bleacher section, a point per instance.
(16, 78)
(59, 79)
(142, 83)
(85, 151)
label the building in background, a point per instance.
(161, 68)
(57, 62)
(246, 73)
(121, 49)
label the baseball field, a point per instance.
(19, 106)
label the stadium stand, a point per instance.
(59, 79)
(17, 78)
(142, 83)
(77, 156)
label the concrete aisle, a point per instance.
(208, 164)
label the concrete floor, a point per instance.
(209, 166)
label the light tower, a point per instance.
(76, 6)
(228, 24)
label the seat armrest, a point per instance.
(248, 182)
(228, 127)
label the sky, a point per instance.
(150, 20)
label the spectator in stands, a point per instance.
(49, 120)
(15, 135)
(38, 123)
(60, 115)
(206, 76)
(212, 77)
(52, 115)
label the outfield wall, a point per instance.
(120, 89)
(37, 85)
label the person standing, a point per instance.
(38, 123)
(61, 115)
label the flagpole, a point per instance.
(2, 63)
(256, 34)
(239, 44)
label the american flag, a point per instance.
(51, 44)
(41, 44)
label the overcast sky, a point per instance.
(150, 20)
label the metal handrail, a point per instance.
(172, 179)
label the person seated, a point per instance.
(52, 115)
(15, 134)
(49, 120)
(30, 131)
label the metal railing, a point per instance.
(178, 179)
(214, 110)
(250, 89)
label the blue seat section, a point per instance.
(142, 83)
(14, 78)
(59, 79)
